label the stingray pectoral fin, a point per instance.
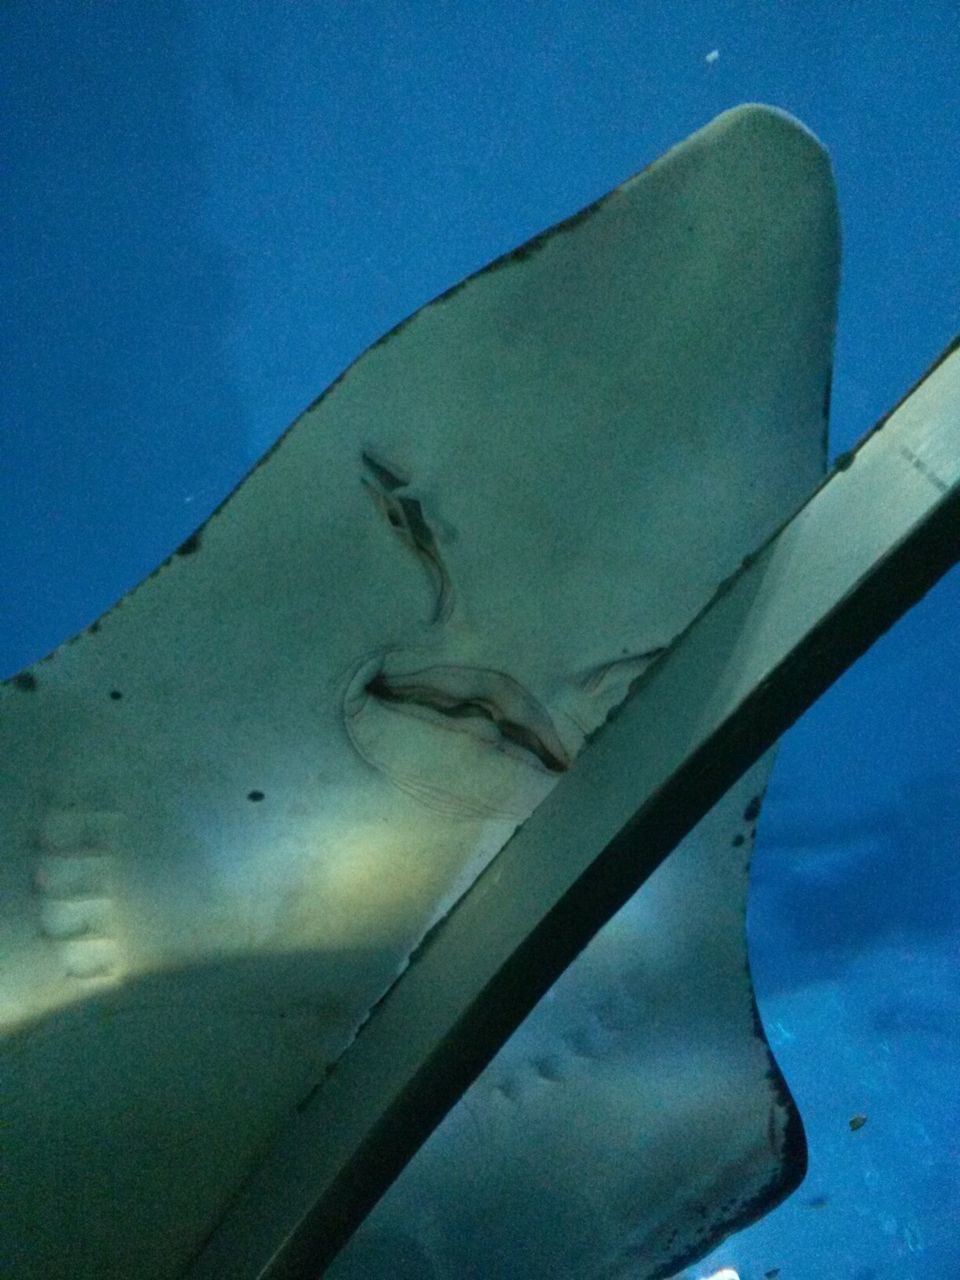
(634, 1117)
(875, 537)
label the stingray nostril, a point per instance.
(386, 477)
(405, 516)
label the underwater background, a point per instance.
(211, 208)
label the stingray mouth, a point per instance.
(452, 735)
(501, 707)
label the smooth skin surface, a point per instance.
(232, 808)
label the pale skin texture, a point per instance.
(384, 651)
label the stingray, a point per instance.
(633, 1120)
(234, 806)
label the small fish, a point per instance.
(857, 1122)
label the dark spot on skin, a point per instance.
(547, 1069)
(254, 795)
(116, 695)
(507, 1089)
(524, 251)
(826, 394)
(159, 569)
(25, 681)
(752, 811)
(93, 628)
(843, 461)
(738, 841)
(191, 545)
(520, 254)
(308, 1098)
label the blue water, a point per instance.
(212, 208)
